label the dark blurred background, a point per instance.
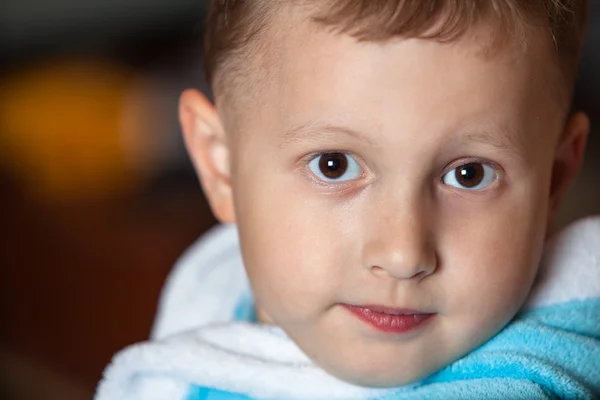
(97, 195)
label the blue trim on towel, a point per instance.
(202, 393)
(244, 309)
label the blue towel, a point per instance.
(551, 349)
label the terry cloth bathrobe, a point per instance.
(207, 345)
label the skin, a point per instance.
(409, 111)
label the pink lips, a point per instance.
(390, 320)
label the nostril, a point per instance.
(383, 272)
(377, 270)
(420, 275)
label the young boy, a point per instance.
(393, 168)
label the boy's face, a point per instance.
(393, 198)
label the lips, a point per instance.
(390, 320)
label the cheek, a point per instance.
(494, 258)
(291, 244)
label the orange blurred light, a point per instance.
(61, 130)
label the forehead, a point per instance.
(310, 73)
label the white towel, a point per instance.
(207, 285)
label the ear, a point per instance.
(568, 159)
(206, 144)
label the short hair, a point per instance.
(234, 27)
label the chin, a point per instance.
(381, 379)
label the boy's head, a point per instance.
(393, 167)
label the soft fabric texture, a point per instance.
(206, 346)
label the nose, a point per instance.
(400, 246)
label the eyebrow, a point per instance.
(315, 129)
(491, 135)
(494, 136)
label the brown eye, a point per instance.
(472, 176)
(469, 175)
(335, 166)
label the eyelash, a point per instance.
(471, 160)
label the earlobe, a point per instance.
(207, 146)
(568, 158)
